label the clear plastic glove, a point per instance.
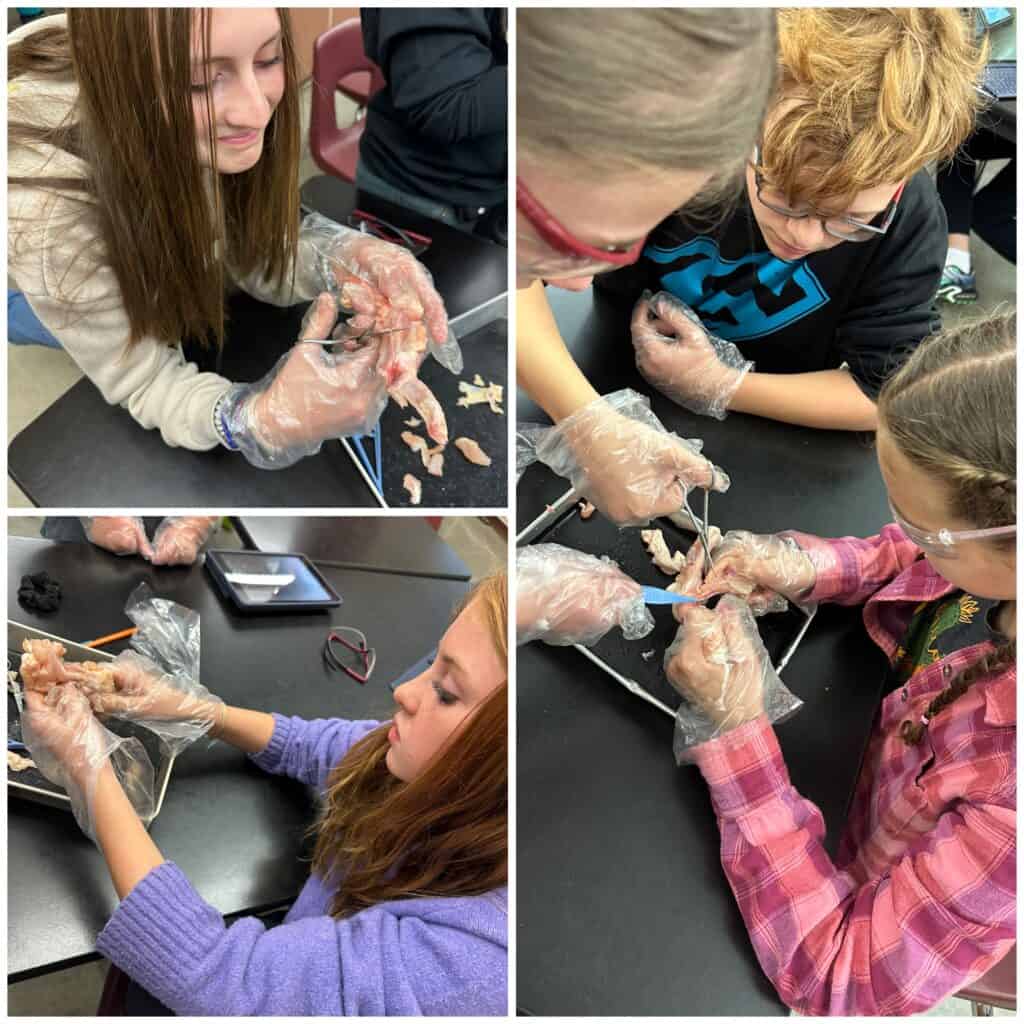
(156, 683)
(690, 577)
(182, 709)
(120, 535)
(617, 454)
(310, 395)
(565, 597)
(764, 569)
(71, 748)
(384, 284)
(676, 354)
(719, 665)
(179, 539)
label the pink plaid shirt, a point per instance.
(921, 899)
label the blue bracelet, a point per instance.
(232, 444)
(221, 426)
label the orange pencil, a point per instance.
(99, 642)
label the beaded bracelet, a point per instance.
(221, 426)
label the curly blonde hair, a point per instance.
(868, 96)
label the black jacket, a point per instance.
(438, 129)
(867, 304)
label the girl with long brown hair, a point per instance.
(152, 160)
(921, 898)
(405, 911)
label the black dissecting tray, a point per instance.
(599, 536)
(463, 485)
(31, 784)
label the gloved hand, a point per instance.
(71, 748)
(179, 539)
(383, 283)
(617, 454)
(719, 665)
(681, 359)
(145, 693)
(690, 577)
(121, 535)
(763, 569)
(565, 597)
(310, 395)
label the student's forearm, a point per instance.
(827, 399)
(126, 846)
(250, 731)
(545, 369)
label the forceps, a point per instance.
(701, 526)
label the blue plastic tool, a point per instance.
(655, 595)
(374, 465)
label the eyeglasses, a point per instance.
(944, 543)
(846, 228)
(370, 224)
(345, 650)
(571, 257)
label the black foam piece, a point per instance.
(39, 592)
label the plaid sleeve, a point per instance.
(937, 919)
(851, 569)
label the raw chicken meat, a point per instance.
(670, 564)
(586, 510)
(403, 347)
(412, 391)
(43, 667)
(473, 452)
(17, 763)
(414, 487)
(432, 459)
(415, 442)
(475, 394)
(692, 573)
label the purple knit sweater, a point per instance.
(435, 957)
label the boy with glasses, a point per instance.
(824, 275)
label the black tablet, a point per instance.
(269, 581)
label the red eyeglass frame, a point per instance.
(561, 240)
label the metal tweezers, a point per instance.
(700, 525)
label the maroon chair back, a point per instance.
(998, 987)
(338, 55)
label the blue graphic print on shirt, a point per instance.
(741, 299)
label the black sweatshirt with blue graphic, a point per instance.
(866, 304)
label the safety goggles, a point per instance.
(553, 251)
(370, 224)
(846, 228)
(943, 544)
(346, 650)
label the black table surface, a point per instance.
(463, 484)
(237, 833)
(622, 904)
(404, 545)
(83, 452)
